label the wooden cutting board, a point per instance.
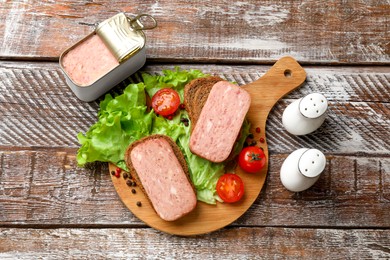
(283, 77)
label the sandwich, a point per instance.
(217, 110)
(159, 168)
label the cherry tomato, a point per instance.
(165, 102)
(251, 159)
(230, 187)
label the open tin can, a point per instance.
(107, 56)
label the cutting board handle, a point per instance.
(282, 78)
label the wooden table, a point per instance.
(50, 208)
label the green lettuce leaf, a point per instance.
(175, 79)
(121, 121)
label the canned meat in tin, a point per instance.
(107, 56)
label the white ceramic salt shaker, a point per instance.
(302, 168)
(305, 115)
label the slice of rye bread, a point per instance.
(177, 152)
(195, 95)
(200, 98)
(220, 122)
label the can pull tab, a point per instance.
(142, 22)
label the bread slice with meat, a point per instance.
(159, 168)
(218, 111)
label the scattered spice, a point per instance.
(250, 136)
(129, 183)
(262, 140)
(258, 130)
(185, 123)
(133, 191)
(125, 176)
(139, 204)
(253, 143)
(112, 172)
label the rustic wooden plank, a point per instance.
(38, 110)
(313, 31)
(235, 243)
(46, 188)
(352, 189)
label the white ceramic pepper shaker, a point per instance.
(302, 168)
(305, 115)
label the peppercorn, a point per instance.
(125, 176)
(262, 140)
(185, 123)
(250, 136)
(258, 130)
(133, 191)
(129, 183)
(139, 204)
(112, 172)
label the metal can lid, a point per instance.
(123, 35)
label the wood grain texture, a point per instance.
(46, 188)
(234, 243)
(38, 109)
(253, 32)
